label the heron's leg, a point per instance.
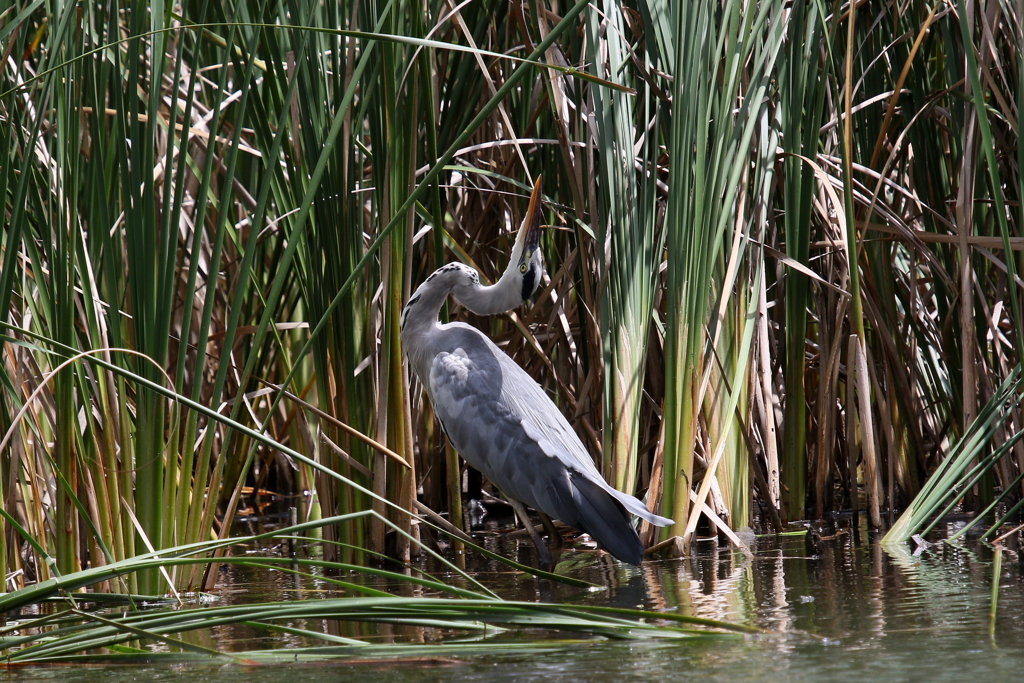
(546, 562)
(556, 543)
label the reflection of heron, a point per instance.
(499, 419)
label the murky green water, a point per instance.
(846, 612)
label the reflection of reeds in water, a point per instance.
(863, 595)
(211, 215)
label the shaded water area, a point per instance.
(833, 609)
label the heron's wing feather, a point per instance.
(465, 386)
(503, 424)
(555, 436)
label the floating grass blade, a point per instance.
(110, 632)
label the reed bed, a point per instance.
(214, 211)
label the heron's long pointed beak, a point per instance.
(529, 232)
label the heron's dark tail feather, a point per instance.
(606, 520)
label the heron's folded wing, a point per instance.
(544, 423)
(504, 424)
(469, 387)
(465, 387)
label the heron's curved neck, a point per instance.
(503, 295)
(464, 283)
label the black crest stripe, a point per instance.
(528, 278)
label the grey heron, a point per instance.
(498, 418)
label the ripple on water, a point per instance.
(849, 612)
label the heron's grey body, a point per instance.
(498, 418)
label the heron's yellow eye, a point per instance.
(523, 268)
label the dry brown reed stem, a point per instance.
(867, 431)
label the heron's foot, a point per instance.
(555, 539)
(547, 563)
(556, 544)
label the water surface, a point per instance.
(837, 610)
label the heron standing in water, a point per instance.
(499, 419)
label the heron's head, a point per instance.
(527, 264)
(517, 284)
